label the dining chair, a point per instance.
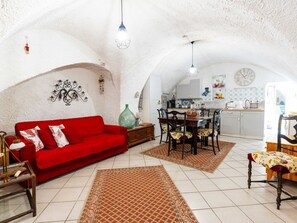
(163, 126)
(280, 161)
(212, 132)
(177, 131)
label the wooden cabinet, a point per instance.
(140, 134)
(249, 124)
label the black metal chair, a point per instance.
(277, 161)
(213, 132)
(177, 134)
(163, 126)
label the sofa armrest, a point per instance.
(115, 129)
(28, 152)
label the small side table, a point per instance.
(26, 178)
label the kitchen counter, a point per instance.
(245, 110)
(229, 109)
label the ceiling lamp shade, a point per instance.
(122, 39)
(192, 69)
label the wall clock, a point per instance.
(244, 77)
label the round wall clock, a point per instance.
(244, 77)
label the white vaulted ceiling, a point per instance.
(258, 32)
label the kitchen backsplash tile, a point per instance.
(241, 94)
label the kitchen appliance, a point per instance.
(171, 104)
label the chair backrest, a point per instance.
(162, 112)
(216, 121)
(204, 112)
(176, 121)
(289, 138)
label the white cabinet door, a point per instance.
(230, 123)
(192, 90)
(195, 88)
(183, 91)
(252, 124)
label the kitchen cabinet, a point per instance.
(191, 90)
(230, 123)
(245, 123)
(252, 124)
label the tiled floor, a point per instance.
(219, 197)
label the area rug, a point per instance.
(135, 195)
(204, 160)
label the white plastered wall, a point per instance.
(26, 80)
(30, 99)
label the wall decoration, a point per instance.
(218, 87)
(244, 76)
(206, 92)
(68, 92)
(27, 48)
(101, 84)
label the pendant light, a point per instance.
(122, 40)
(192, 69)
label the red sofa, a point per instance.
(99, 141)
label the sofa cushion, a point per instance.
(58, 135)
(72, 135)
(47, 138)
(32, 135)
(90, 145)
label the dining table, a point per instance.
(192, 122)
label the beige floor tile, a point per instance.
(195, 174)
(195, 201)
(56, 212)
(260, 214)
(231, 215)
(76, 181)
(225, 183)
(46, 195)
(76, 211)
(217, 199)
(177, 175)
(185, 186)
(68, 194)
(240, 197)
(206, 216)
(204, 185)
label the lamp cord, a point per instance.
(122, 20)
(192, 51)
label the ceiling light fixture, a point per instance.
(192, 69)
(123, 39)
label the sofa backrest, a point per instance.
(85, 126)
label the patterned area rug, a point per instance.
(204, 160)
(135, 195)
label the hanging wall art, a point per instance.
(68, 91)
(101, 84)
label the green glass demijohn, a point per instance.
(127, 118)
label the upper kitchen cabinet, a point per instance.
(191, 90)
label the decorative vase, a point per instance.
(127, 118)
